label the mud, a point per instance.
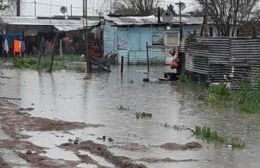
(165, 160)
(188, 146)
(102, 151)
(13, 122)
(134, 147)
(11, 144)
(3, 164)
(12, 119)
(42, 162)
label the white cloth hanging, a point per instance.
(6, 46)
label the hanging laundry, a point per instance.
(6, 46)
(17, 48)
(23, 48)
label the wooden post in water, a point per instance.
(122, 65)
(147, 79)
(148, 59)
(52, 52)
(128, 58)
(40, 53)
(61, 48)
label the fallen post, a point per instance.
(10, 98)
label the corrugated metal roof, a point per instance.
(151, 20)
(60, 24)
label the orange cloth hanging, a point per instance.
(17, 48)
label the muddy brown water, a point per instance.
(65, 96)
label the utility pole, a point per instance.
(50, 10)
(71, 9)
(180, 5)
(18, 10)
(86, 33)
(206, 26)
(35, 8)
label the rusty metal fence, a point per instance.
(230, 60)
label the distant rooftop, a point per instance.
(59, 23)
(151, 20)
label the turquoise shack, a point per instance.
(127, 37)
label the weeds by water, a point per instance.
(122, 108)
(184, 79)
(205, 133)
(58, 65)
(217, 95)
(143, 115)
(246, 99)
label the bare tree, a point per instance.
(228, 14)
(171, 9)
(141, 7)
(3, 5)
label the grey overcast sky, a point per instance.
(43, 6)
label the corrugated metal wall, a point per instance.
(224, 59)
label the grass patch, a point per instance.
(217, 95)
(69, 58)
(205, 133)
(29, 62)
(184, 79)
(122, 108)
(245, 99)
(248, 99)
(25, 63)
(143, 115)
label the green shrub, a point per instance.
(205, 133)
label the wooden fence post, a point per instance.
(52, 52)
(148, 60)
(122, 65)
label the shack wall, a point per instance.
(110, 38)
(224, 59)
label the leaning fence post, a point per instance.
(52, 52)
(122, 65)
(147, 55)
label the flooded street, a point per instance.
(65, 96)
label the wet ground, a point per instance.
(65, 96)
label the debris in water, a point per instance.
(188, 146)
(123, 108)
(143, 115)
(26, 109)
(165, 160)
(110, 140)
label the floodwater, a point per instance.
(65, 96)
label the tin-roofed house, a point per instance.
(32, 29)
(127, 36)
